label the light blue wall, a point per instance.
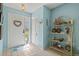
(7, 10)
(38, 13)
(70, 10)
(1, 45)
(46, 18)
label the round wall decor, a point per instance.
(17, 23)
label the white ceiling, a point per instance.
(30, 7)
(53, 5)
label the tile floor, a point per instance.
(30, 50)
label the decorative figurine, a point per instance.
(67, 30)
(68, 47)
(56, 30)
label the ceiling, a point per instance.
(31, 7)
(53, 5)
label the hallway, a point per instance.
(51, 29)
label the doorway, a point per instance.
(37, 32)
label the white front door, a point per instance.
(15, 30)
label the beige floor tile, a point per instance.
(30, 50)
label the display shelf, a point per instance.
(61, 50)
(66, 30)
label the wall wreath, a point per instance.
(17, 23)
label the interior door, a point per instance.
(16, 30)
(37, 32)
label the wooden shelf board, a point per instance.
(54, 40)
(59, 25)
(63, 25)
(62, 50)
(56, 33)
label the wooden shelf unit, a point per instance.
(69, 40)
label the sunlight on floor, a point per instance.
(26, 47)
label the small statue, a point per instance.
(67, 30)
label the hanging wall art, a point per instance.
(17, 23)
